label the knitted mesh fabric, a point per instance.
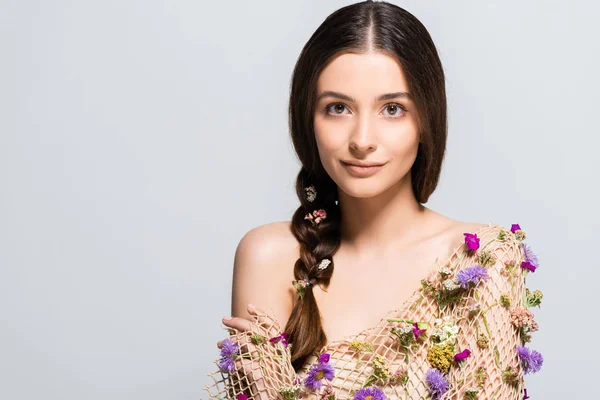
(269, 371)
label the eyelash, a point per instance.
(400, 106)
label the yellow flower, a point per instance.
(441, 356)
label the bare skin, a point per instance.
(389, 240)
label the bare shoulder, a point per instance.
(452, 233)
(263, 271)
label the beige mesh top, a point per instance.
(458, 337)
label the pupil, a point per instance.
(340, 108)
(393, 107)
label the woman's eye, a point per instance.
(336, 108)
(394, 109)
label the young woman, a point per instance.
(420, 305)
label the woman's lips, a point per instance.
(361, 171)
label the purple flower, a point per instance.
(525, 397)
(416, 331)
(437, 383)
(462, 355)
(531, 360)
(281, 338)
(471, 240)
(528, 266)
(314, 378)
(369, 393)
(229, 351)
(530, 257)
(515, 227)
(470, 276)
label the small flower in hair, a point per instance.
(301, 286)
(324, 264)
(316, 216)
(311, 193)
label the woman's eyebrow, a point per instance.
(383, 97)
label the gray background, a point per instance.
(139, 141)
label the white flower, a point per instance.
(311, 193)
(445, 271)
(451, 284)
(324, 264)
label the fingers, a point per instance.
(268, 323)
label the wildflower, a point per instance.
(242, 396)
(416, 331)
(531, 360)
(451, 285)
(482, 341)
(444, 271)
(471, 393)
(509, 268)
(481, 375)
(405, 334)
(510, 376)
(486, 259)
(400, 376)
(369, 393)
(445, 331)
(360, 345)
(257, 339)
(505, 301)
(316, 216)
(381, 368)
(501, 235)
(520, 235)
(437, 384)
(462, 355)
(530, 256)
(523, 320)
(281, 338)
(311, 193)
(528, 266)
(474, 309)
(515, 227)
(229, 352)
(327, 393)
(469, 277)
(472, 241)
(318, 372)
(525, 397)
(533, 299)
(291, 393)
(440, 356)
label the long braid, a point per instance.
(317, 242)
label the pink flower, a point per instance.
(242, 396)
(515, 227)
(472, 241)
(324, 358)
(417, 332)
(462, 355)
(525, 397)
(281, 338)
(316, 216)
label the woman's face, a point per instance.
(364, 114)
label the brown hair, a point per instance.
(356, 28)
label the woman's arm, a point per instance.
(260, 365)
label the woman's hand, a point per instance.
(262, 368)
